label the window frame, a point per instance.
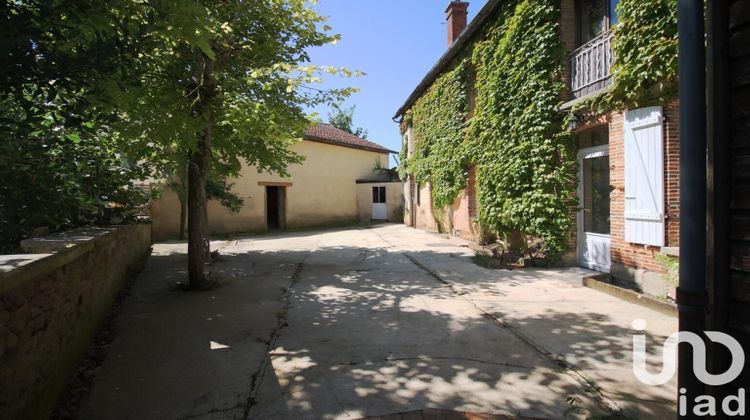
(607, 21)
(379, 195)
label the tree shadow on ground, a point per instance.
(366, 334)
(317, 330)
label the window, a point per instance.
(378, 195)
(596, 195)
(594, 17)
(595, 137)
(613, 19)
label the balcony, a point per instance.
(590, 65)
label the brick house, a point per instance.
(628, 160)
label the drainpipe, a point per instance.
(691, 293)
(719, 128)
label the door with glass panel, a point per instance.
(594, 240)
(379, 206)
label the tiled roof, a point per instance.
(326, 133)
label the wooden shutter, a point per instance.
(644, 176)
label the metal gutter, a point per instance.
(692, 298)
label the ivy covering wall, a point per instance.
(439, 121)
(517, 137)
(524, 156)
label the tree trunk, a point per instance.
(198, 242)
(183, 214)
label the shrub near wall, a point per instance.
(52, 305)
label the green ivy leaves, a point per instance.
(439, 121)
(524, 156)
(516, 138)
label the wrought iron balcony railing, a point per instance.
(591, 65)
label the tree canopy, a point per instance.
(198, 88)
(343, 119)
(60, 159)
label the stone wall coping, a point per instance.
(50, 252)
(671, 250)
(12, 262)
(66, 239)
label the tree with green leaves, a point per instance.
(343, 119)
(61, 160)
(219, 84)
(188, 90)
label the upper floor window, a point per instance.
(594, 17)
(409, 137)
(613, 13)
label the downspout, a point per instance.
(719, 125)
(691, 293)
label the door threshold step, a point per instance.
(603, 283)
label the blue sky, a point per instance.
(395, 43)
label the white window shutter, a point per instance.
(644, 176)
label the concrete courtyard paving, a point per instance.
(371, 321)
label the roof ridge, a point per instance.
(331, 134)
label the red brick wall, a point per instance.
(672, 172)
(456, 16)
(471, 192)
(460, 215)
(412, 199)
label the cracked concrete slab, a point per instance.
(588, 330)
(370, 333)
(342, 323)
(161, 363)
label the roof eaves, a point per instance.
(349, 145)
(449, 55)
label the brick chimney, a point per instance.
(456, 15)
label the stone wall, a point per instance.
(52, 302)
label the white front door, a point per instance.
(379, 206)
(594, 240)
